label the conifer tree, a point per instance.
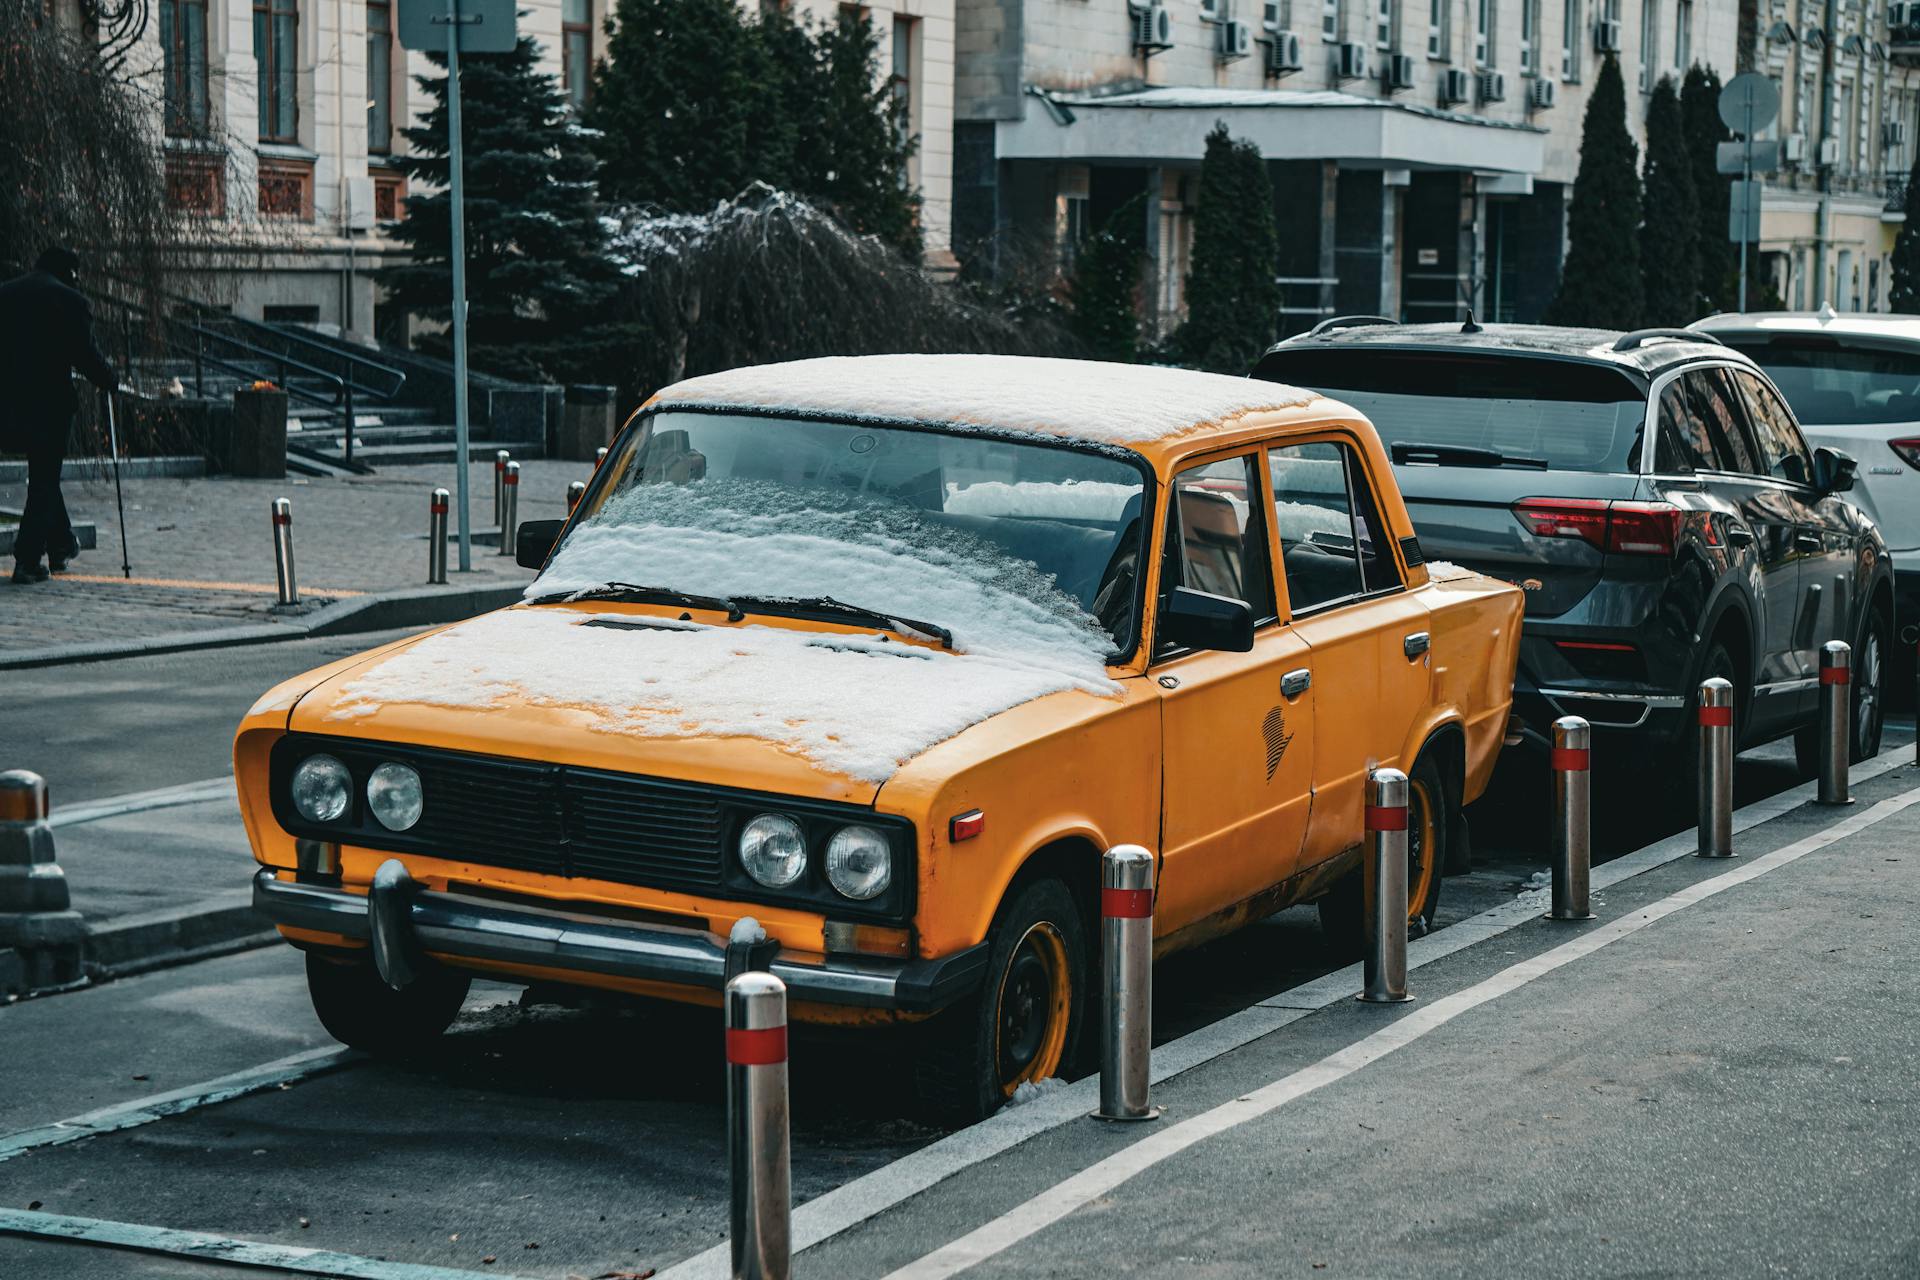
(1719, 256)
(1233, 301)
(1670, 230)
(1903, 288)
(859, 138)
(1600, 282)
(1106, 283)
(536, 275)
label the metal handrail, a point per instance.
(398, 377)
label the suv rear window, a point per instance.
(1829, 384)
(1564, 414)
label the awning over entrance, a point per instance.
(1166, 126)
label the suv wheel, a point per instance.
(1868, 689)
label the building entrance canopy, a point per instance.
(1169, 126)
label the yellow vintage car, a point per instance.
(850, 669)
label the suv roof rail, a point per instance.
(1640, 337)
(1333, 324)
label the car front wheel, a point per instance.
(360, 1010)
(1430, 820)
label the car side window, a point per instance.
(1781, 445)
(1332, 542)
(1716, 404)
(1217, 536)
(1683, 443)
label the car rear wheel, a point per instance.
(1025, 1024)
(1430, 819)
(360, 1010)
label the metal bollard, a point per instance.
(1716, 769)
(1572, 818)
(1836, 720)
(599, 456)
(510, 507)
(283, 551)
(437, 538)
(575, 491)
(1386, 853)
(1126, 951)
(758, 1150)
(500, 460)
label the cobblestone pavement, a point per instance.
(202, 549)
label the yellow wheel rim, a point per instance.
(1032, 1007)
(1422, 844)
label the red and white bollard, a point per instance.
(500, 459)
(1836, 720)
(509, 508)
(437, 538)
(1716, 769)
(758, 1143)
(1572, 763)
(599, 456)
(1386, 852)
(1126, 950)
(575, 491)
(283, 551)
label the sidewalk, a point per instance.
(202, 553)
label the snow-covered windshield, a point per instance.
(1012, 547)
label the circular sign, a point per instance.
(1749, 103)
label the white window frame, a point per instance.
(1682, 35)
(1439, 28)
(1483, 16)
(1330, 20)
(1529, 37)
(1384, 24)
(1649, 43)
(1573, 29)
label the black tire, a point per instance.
(1026, 1022)
(1872, 650)
(1432, 818)
(361, 1011)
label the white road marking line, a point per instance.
(209, 1248)
(1103, 1176)
(141, 801)
(128, 1115)
(872, 1194)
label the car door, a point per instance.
(1771, 520)
(1366, 638)
(1236, 771)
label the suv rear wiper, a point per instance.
(830, 607)
(1454, 455)
(647, 595)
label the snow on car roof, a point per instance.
(1856, 323)
(1114, 404)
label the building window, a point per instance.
(900, 81)
(1383, 25)
(1529, 36)
(1682, 34)
(576, 50)
(286, 189)
(1483, 33)
(389, 193)
(1439, 14)
(1330, 20)
(1649, 44)
(276, 28)
(1571, 29)
(379, 76)
(183, 51)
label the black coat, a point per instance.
(46, 333)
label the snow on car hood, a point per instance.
(850, 704)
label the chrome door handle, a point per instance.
(1807, 541)
(1739, 535)
(1416, 644)
(1295, 683)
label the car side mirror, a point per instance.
(1833, 470)
(534, 542)
(1201, 620)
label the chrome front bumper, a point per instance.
(400, 918)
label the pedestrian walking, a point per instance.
(46, 335)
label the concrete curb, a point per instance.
(214, 926)
(407, 607)
(165, 467)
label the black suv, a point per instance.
(1652, 495)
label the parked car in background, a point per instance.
(1853, 381)
(879, 655)
(1653, 496)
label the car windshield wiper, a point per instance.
(1454, 455)
(647, 595)
(840, 609)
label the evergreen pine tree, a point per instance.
(859, 138)
(1903, 289)
(1670, 230)
(1600, 281)
(1719, 256)
(536, 274)
(1233, 302)
(1106, 283)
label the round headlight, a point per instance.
(393, 793)
(773, 850)
(321, 789)
(859, 863)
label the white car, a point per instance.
(1853, 380)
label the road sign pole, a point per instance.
(458, 214)
(1746, 178)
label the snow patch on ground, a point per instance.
(1033, 1090)
(1079, 399)
(1536, 882)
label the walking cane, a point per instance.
(119, 502)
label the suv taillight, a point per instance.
(1625, 528)
(1908, 449)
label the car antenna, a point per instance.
(1470, 326)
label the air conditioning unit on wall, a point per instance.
(1542, 93)
(1454, 87)
(1398, 73)
(1283, 54)
(1152, 28)
(1829, 151)
(1793, 148)
(1493, 86)
(1350, 61)
(1234, 40)
(1606, 36)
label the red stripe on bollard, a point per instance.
(437, 509)
(1717, 717)
(513, 477)
(756, 1048)
(1382, 818)
(1126, 904)
(1834, 675)
(278, 518)
(1572, 759)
